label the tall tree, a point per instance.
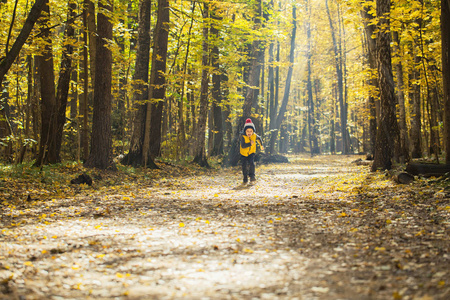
(287, 87)
(62, 91)
(387, 138)
(401, 98)
(157, 89)
(340, 84)
(313, 132)
(47, 142)
(370, 54)
(101, 141)
(135, 155)
(251, 94)
(199, 146)
(445, 35)
(216, 106)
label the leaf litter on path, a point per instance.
(316, 228)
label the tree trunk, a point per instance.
(340, 83)
(84, 99)
(445, 35)
(181, 135)
(387, 140)
(101, 141)
(287, 87)
(62, 92)
(157, 87)
(216, 113)
(199, 147)
(416, 116)
(401, 101)
(89, 6)
(252, 91)
(47, 143)
(313, 142)
(372, 82)
(135, 155)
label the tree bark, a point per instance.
(340, 85)
(313, 141)
(387, 140)
(445, 35)
(216, 113)
(199, 147)
(101, 141)
(47, 142)
(62, 92)
(401, 101)
(157, 87)
(372, 82)
(284, 102)
(416, 116)
(135, 156)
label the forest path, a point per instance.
(316, 228)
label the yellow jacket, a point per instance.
(246, 147)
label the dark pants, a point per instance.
(248, 166)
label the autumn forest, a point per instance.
(120, 142)
(139, 80)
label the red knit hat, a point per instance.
(249, 124)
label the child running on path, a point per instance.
(248, 149)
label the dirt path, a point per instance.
(319, 228)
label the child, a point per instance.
(248, 149)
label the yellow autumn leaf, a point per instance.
(216, 195)
(181, 225)
(248, 250)
(28, 263)
(380, 249)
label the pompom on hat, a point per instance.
(249, 124)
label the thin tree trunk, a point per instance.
(287, 87)
(401, 101)
(157, 89)
(65, 73)
(199, 148)
(217, 128)
(181, 124)
(84, 101)
(416, 116)
(313, 142)
(340, 83)
(445, 35)
(101, 141)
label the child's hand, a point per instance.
(252, 142)
(262, 148)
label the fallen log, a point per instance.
(428, 170)
(403, 178)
